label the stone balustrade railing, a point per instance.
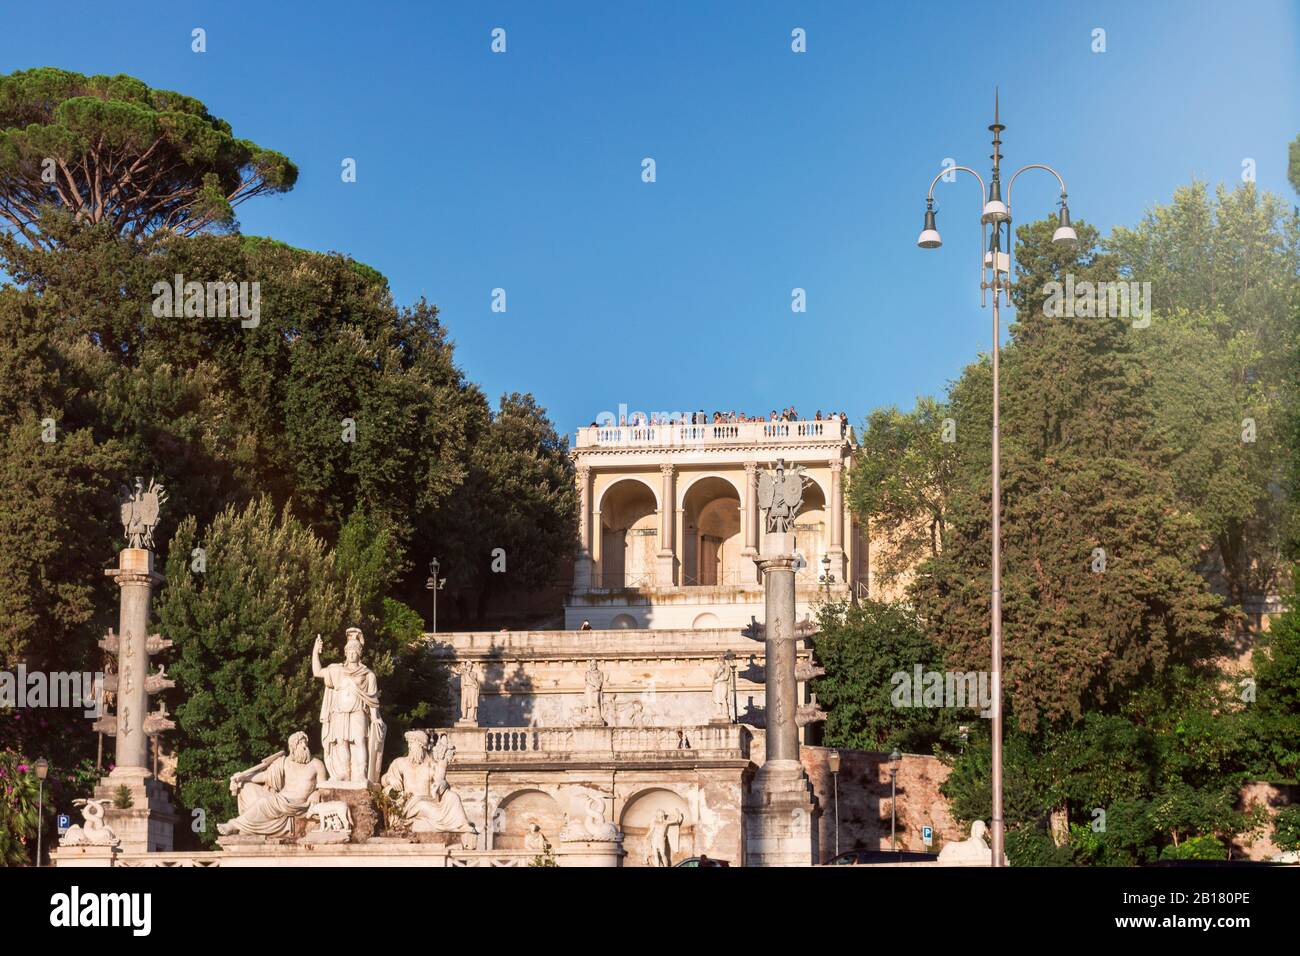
(565, 743)
(679, 435)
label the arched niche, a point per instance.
(638, 816)
(517, 812)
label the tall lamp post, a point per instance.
(42, 771)
(894, 758)
(833, 761)
(996, 213)
(435, 584)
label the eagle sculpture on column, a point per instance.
(780, 495)
(140, 508)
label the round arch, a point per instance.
(634, 479)
(683, 488)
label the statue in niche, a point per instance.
(352, 732)
(663, 839)
(433, 806)
(535, 839)
(280, 788)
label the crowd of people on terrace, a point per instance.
(702, 417)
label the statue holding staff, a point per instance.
(352, 732)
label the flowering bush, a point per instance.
(18, 798)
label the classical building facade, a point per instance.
(680, 731)
(669, 522)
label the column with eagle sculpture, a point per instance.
(780, 811)
(138, 806)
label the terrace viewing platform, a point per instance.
(682, 435)
(669, 522)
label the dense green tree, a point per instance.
(112, 150)
(514, 518)
(1220, 352)
(861, 647)
(57, 511)
(1273, 717)
(902, 480)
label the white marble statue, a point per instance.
(663, 838)
(432, 806)
(590, 824)
(722, 690)
(535, 839)
(334, 816)
(92, 831)
(973, 850)
(352, 732)
(276, 791)
(594, 682)
(471, 678)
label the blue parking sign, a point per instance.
(927, 835)
(64, 822)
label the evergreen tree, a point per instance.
(243, 628)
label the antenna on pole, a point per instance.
(996, 129)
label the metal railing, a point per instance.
(720, 433)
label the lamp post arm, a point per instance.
(929, 199)
(952, 169)
(1012, 180)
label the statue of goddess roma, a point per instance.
(351, 730)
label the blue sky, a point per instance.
(775, 170)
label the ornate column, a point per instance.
(665, 572)
(582, 568)
(837, 520)
(148, 820)
(749, 570)
(780, 812)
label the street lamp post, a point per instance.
(435, 584)
(894, 758)
(833, 760)
(996, 213)
(42, 771)
(827, 579)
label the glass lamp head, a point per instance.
(929, 238)
(1064, 231)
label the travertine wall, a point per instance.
(864, 800)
